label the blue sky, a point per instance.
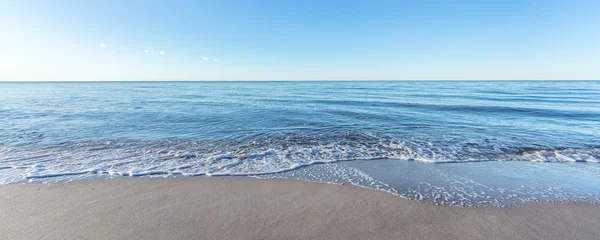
(299, 40)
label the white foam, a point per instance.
(156, 158)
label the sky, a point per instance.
(299, 40)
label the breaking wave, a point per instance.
(256, 157)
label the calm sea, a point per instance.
(70, 130)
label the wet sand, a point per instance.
(246, 208)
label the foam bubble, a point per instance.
(252, 158)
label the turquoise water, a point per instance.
(70, 130)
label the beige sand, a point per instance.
(243, 208)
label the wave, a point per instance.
(459, 108)
(270, 155)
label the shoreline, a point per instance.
(250, 208)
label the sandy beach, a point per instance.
(245, 208)
(335, 119)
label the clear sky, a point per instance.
(299, 40)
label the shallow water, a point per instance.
(476, 184)
(66, 130)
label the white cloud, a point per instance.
(146, 51)
(162, 52)
(216, 60)
(204, 58)
(102, 45)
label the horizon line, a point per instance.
(308, 80)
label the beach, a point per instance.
(453, 120)
(248, 208)
(300, 160)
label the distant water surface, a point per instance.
(67, 130)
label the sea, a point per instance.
(455, 143)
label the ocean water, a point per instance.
(536, 140)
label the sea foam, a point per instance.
(189, 158)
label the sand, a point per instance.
(246, 208)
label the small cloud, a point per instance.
(102, 45)
(216, 60)
(204, 58)
(162, 52)
(146, 51)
